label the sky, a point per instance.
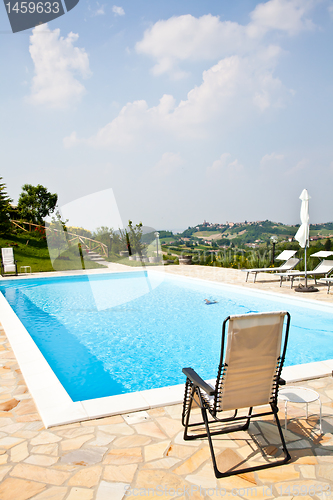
(185, 110)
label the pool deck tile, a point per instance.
(329, 364)
(101, 407)
(164, 395)
(71, 413)
(307, 371)
(118, 457)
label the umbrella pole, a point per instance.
(306, 276)
(305, 288)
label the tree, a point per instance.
(56, 236)
(4, 209)
(131, 236)
(103, 234)
(328, 245)
(35, 203)
(80, 231)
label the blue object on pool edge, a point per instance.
(208, 302)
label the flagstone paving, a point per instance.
(143, 454)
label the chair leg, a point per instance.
(187, 414)
(220, 474)
(210, 442)
(284, 446)
(247, 423)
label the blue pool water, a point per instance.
(111, 334)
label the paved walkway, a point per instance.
(143, 455)
(265, 281)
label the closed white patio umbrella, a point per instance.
(302, 236)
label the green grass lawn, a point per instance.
(167, 239)
(31, 250)
(206, 234)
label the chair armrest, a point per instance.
(281, 381)
(198, 381)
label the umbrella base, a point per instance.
(302, 288)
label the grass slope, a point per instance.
(31, 250)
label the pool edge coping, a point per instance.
(57, 408)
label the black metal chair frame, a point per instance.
(195, 390)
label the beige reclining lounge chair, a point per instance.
(248, 375)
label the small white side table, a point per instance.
(25, 269)
(301, 395)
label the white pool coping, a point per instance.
(57, 408)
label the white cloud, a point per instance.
(186, 37)
(298, 168)
(57, 64)
(118, 11)
(232, 86)
(100, 11)
(219, 164)
(283, 15)
(133, 120)
(239, 85)
(267, 160)
(330, 9)
(168, 164)
(231, 170)
(190, 38)
(230, 90)
(71, 140)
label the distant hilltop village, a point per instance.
(266, 223)
(249, 223)
(230, 224)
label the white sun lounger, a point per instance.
(328, 282)
(324, 268)
(286, 255)
(8, 264)
(323, 254)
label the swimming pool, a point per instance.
(126, 332)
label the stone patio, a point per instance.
(143, 454)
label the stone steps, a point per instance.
(96, 257)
